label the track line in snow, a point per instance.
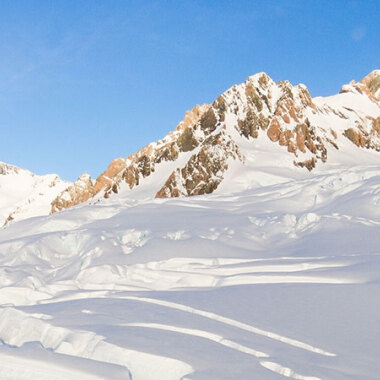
(287, 372)
(232, 322)
(272, 366)
(236, 266)
(202, 334)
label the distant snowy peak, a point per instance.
(196, 157)
(24, 194)
(370, 85)
(9, 169)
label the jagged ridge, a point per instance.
(286, 114)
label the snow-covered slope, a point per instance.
(24, 194)
(256, 124)
(221, 147)
(281, 281)
(274, 275)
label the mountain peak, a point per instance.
(82, 189)
(8, 169)
(24, 194)
(371, 75)
(372, 81)
(369, 85)
(212, 139)
(260, 78)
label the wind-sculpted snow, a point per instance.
(280, 281)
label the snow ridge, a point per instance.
(243, 126)
(24, 194)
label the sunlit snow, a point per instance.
(279, 281)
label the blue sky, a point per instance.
(84, 82)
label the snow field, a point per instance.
(276, 282)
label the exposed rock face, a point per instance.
(106, 179)
(136, 166)
(204, 171)
(79, 192)
(203, 145)
(143, 163)
(366, 134)
(370, 85)
(372, 82)
(192, 116)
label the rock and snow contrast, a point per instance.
(24, 194)
(255, 124)
(274, 275)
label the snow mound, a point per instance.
(278, 281)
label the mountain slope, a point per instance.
(277, 282)
(24, 194)
(246, 125)
(275, 275)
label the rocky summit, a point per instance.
(221, 147)
(198, 155)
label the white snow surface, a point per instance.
(24, 194)
(272, 281)
(276, 275)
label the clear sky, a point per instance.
(84, 82)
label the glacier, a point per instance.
(277, 281)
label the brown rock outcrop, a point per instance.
(356, 137)
(369, 85)
(274, 130)
(79, 192)
(110, 175)
(366, 135)
(139, 165)
(204, 171)
(372, 82)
